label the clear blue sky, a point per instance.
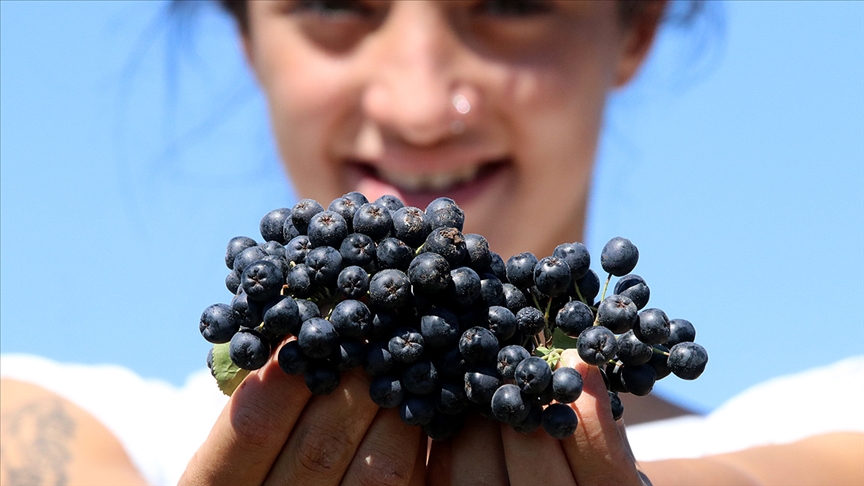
(736, 164)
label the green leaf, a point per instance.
(561, 340)
(228, 375)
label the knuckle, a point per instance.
(384, 470)
(321, 450)
(253, 426)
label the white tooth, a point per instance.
(430, 182)
(438, 182)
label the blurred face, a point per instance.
(496, 104)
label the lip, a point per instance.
(367, 178)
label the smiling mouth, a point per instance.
(449, 181)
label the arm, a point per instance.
(599, 454)
(45, 439)
(835, 458)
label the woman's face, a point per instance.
(496, 104)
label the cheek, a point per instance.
(553, 116)
(307, 99)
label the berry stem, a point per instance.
(605, 286)
(579, 294)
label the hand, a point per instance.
(274, 431)
(488, 452)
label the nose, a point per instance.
(415, 89)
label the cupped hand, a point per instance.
(274, 431)
(488, 452)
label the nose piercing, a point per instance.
(463, 106)
(461, 103)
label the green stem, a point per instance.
(547, 331)
(579, 293)
(605, 286)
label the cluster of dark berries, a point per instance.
(441, 324)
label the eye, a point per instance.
(513, 8)
(331, 8)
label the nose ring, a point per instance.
(463, 106)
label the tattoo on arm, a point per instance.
(35, 446)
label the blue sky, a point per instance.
(132, 148)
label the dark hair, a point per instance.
(628, 10)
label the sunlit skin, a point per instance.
(362, 98)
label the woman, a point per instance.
(498, 105)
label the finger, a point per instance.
(418, 476)
(477, 454)
(327, 434)
(439, 464)
(526, 454)
(251, 430)
(597, 452)
(388, 453)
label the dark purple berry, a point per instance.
(389, 289)
(509, 358)
(530, 320)
(566, 384)
(559, 421)
(386, 391)
(282, 316)
(417, 410)
(325, 263)
(406, 345)
(596, 345)
(327, 228)
(262, 281)
(317, 338)
(297, 249)
(479, 346)
(574, 318)
(520, 270)
(217, 323)
(617, 313)
(235, 246)
(248, 349)
(652, 326)
(619, 256)
(291, 359)
(687, 360)
(351, 319)
(411, 225)
(271, 225)
(577, 257)
(632, 351)
(373, 220)
(353, 282)
(394, 253)
(509, 405)
(440, 328)
(302, 213)
(634, 287)
(532, 375)
(552, 276)
(680, 331)
(501, 322)
(444, 212)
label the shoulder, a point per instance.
(159, 425)
(48, 439)
(781, 410)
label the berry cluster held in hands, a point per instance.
(441, 324)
